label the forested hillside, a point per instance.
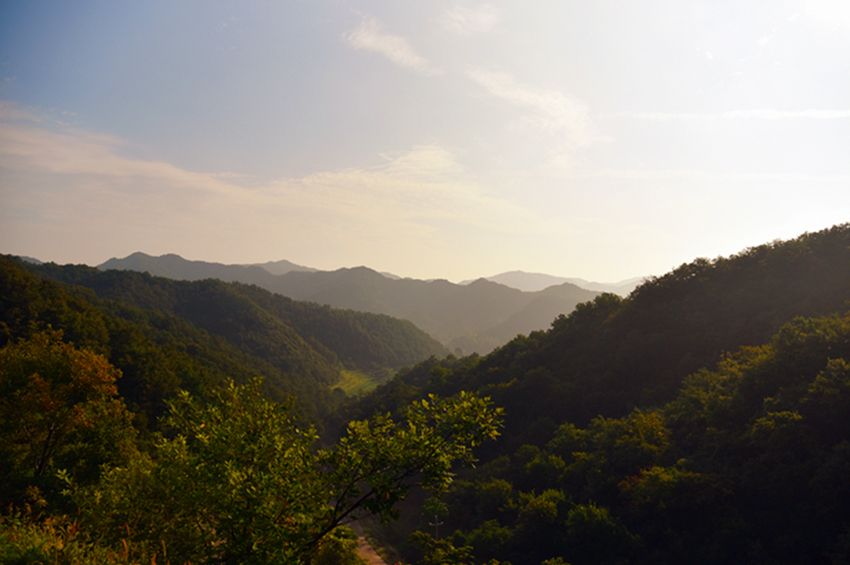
(166, 334)
(271, 326)
(606, 372)
(158, 354)
(613, 353)
(748, 464)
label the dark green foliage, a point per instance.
(233, 478)
(297, 337)
(750, 463)
(169, 335)
(731, 462)
(58, 410)
(613, 354)
(158, 353)
(25, 540)
(632, 434)
(29, 304)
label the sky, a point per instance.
(427, 138)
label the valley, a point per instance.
(703, 415)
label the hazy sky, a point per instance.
(432, 139)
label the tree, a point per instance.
(440, 552)
(239, 482)
(57, 410)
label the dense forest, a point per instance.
(581, 398)
(166, 334)
(145, 418)
(701, 419)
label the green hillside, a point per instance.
(613, 353)
(157, 352)
(153, 328)
(293, 335)
(594, 367)
(227, 473)
(748, 464)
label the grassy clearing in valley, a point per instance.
(356, 382)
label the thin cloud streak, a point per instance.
(369, 36)
(757, 114)
(702, 175)
(80, 153)
(471, 21)
(554, 110)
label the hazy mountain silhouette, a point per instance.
(280, 267)
(176, 267)
(532, 282)
(474, 317)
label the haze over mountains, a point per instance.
(471, 316)
(531, 282)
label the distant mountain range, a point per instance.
(532, 282)
(278, 267)
(477, 316)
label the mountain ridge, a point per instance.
(478, 316)
(532, 282)
(702, 419)
(304, 348)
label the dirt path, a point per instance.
(365, 550)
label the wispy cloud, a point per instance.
(708, 176)
(11, 112)
(369, 36)
(422, 185)
(553, 110)
(768, 114)
(832, 12)
(63, 187)
(756, 114)
(463, 20)
(77, 153)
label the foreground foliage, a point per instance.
(240, 482)
(235, 479)
(58, 409)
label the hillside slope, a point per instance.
(157, 352)
(261, 323)
(613, 354)
(589, 466)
